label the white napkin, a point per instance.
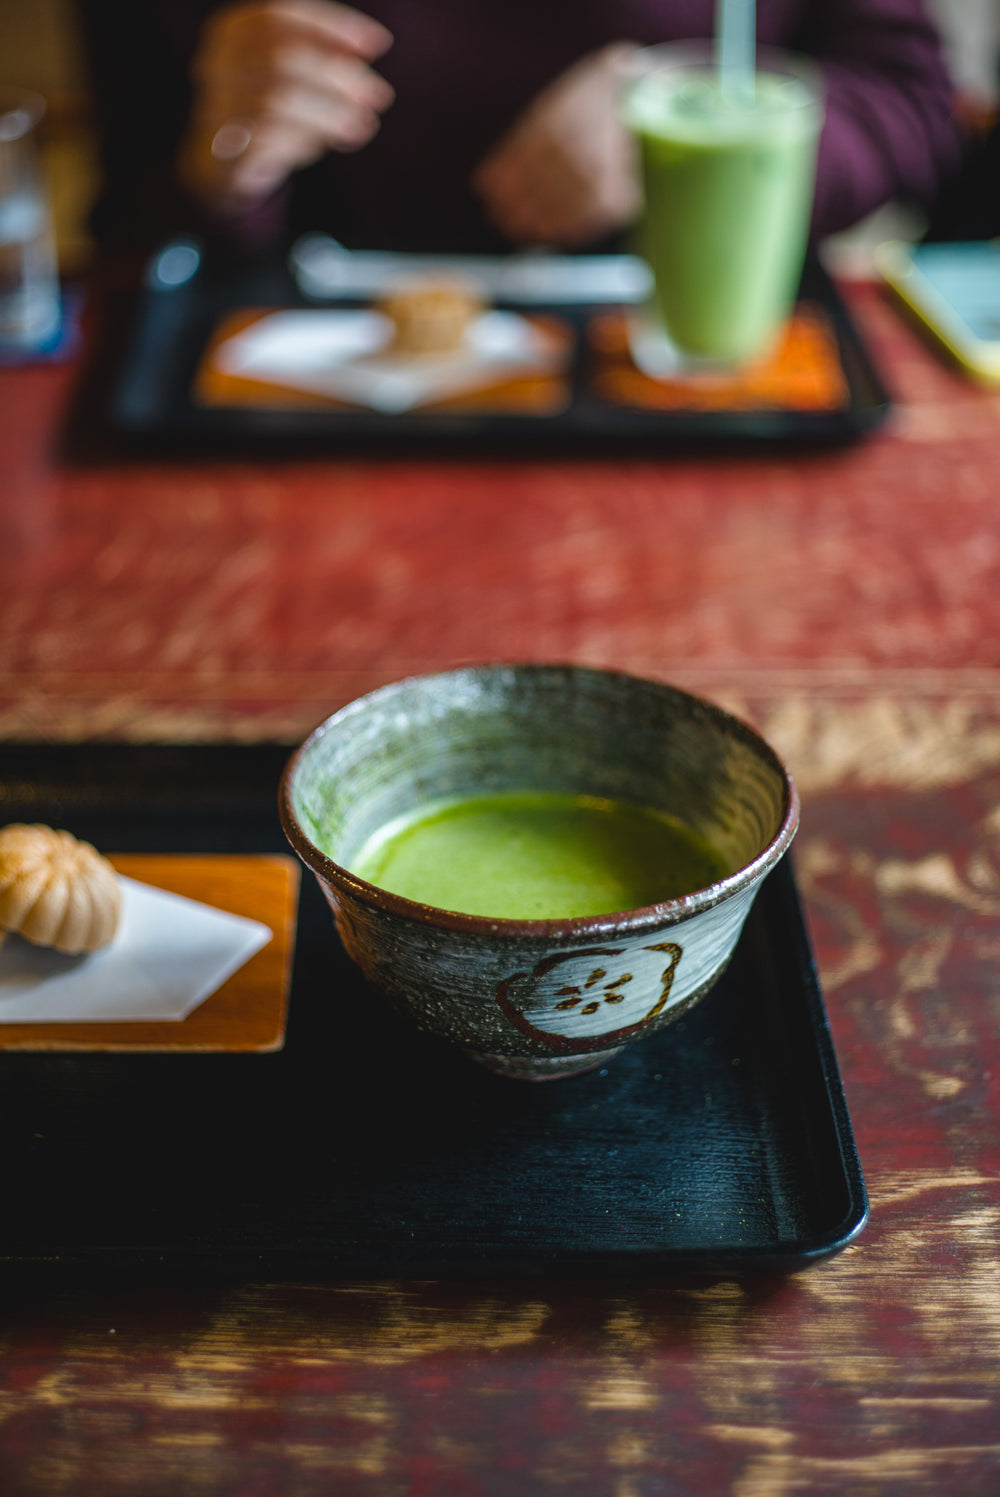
(168, 955)
(346, 355)
(325, 268)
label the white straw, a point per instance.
(735, 48)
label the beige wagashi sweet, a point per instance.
(55, 890)
(430, 314)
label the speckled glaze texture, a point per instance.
(540, 998)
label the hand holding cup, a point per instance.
(566, 172)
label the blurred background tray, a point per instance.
(364, 1147)
(154, 399)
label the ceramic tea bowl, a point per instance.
(497, 987)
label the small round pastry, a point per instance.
(430, 315)
(56, 891)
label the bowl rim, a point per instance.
(654, 916)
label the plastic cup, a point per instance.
(728, 180)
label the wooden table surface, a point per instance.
(848, 603)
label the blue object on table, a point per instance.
(58, 345)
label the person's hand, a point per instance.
(566, 173)
(277, 84)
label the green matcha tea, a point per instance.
(538, 855)
(728, 189)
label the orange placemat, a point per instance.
(248, 1012)
(531, 395)
(804, 372)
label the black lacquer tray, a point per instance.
(365, 1147)
(151, 397)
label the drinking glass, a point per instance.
(728, 180)
(29, 280)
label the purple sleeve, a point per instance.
(890, 127)
(889, 131)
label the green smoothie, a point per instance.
(728, 194)
(538, 855)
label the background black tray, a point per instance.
(151, 400)
(366, 1147)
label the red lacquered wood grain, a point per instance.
(248, 598)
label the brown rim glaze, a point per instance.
(654, 916)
